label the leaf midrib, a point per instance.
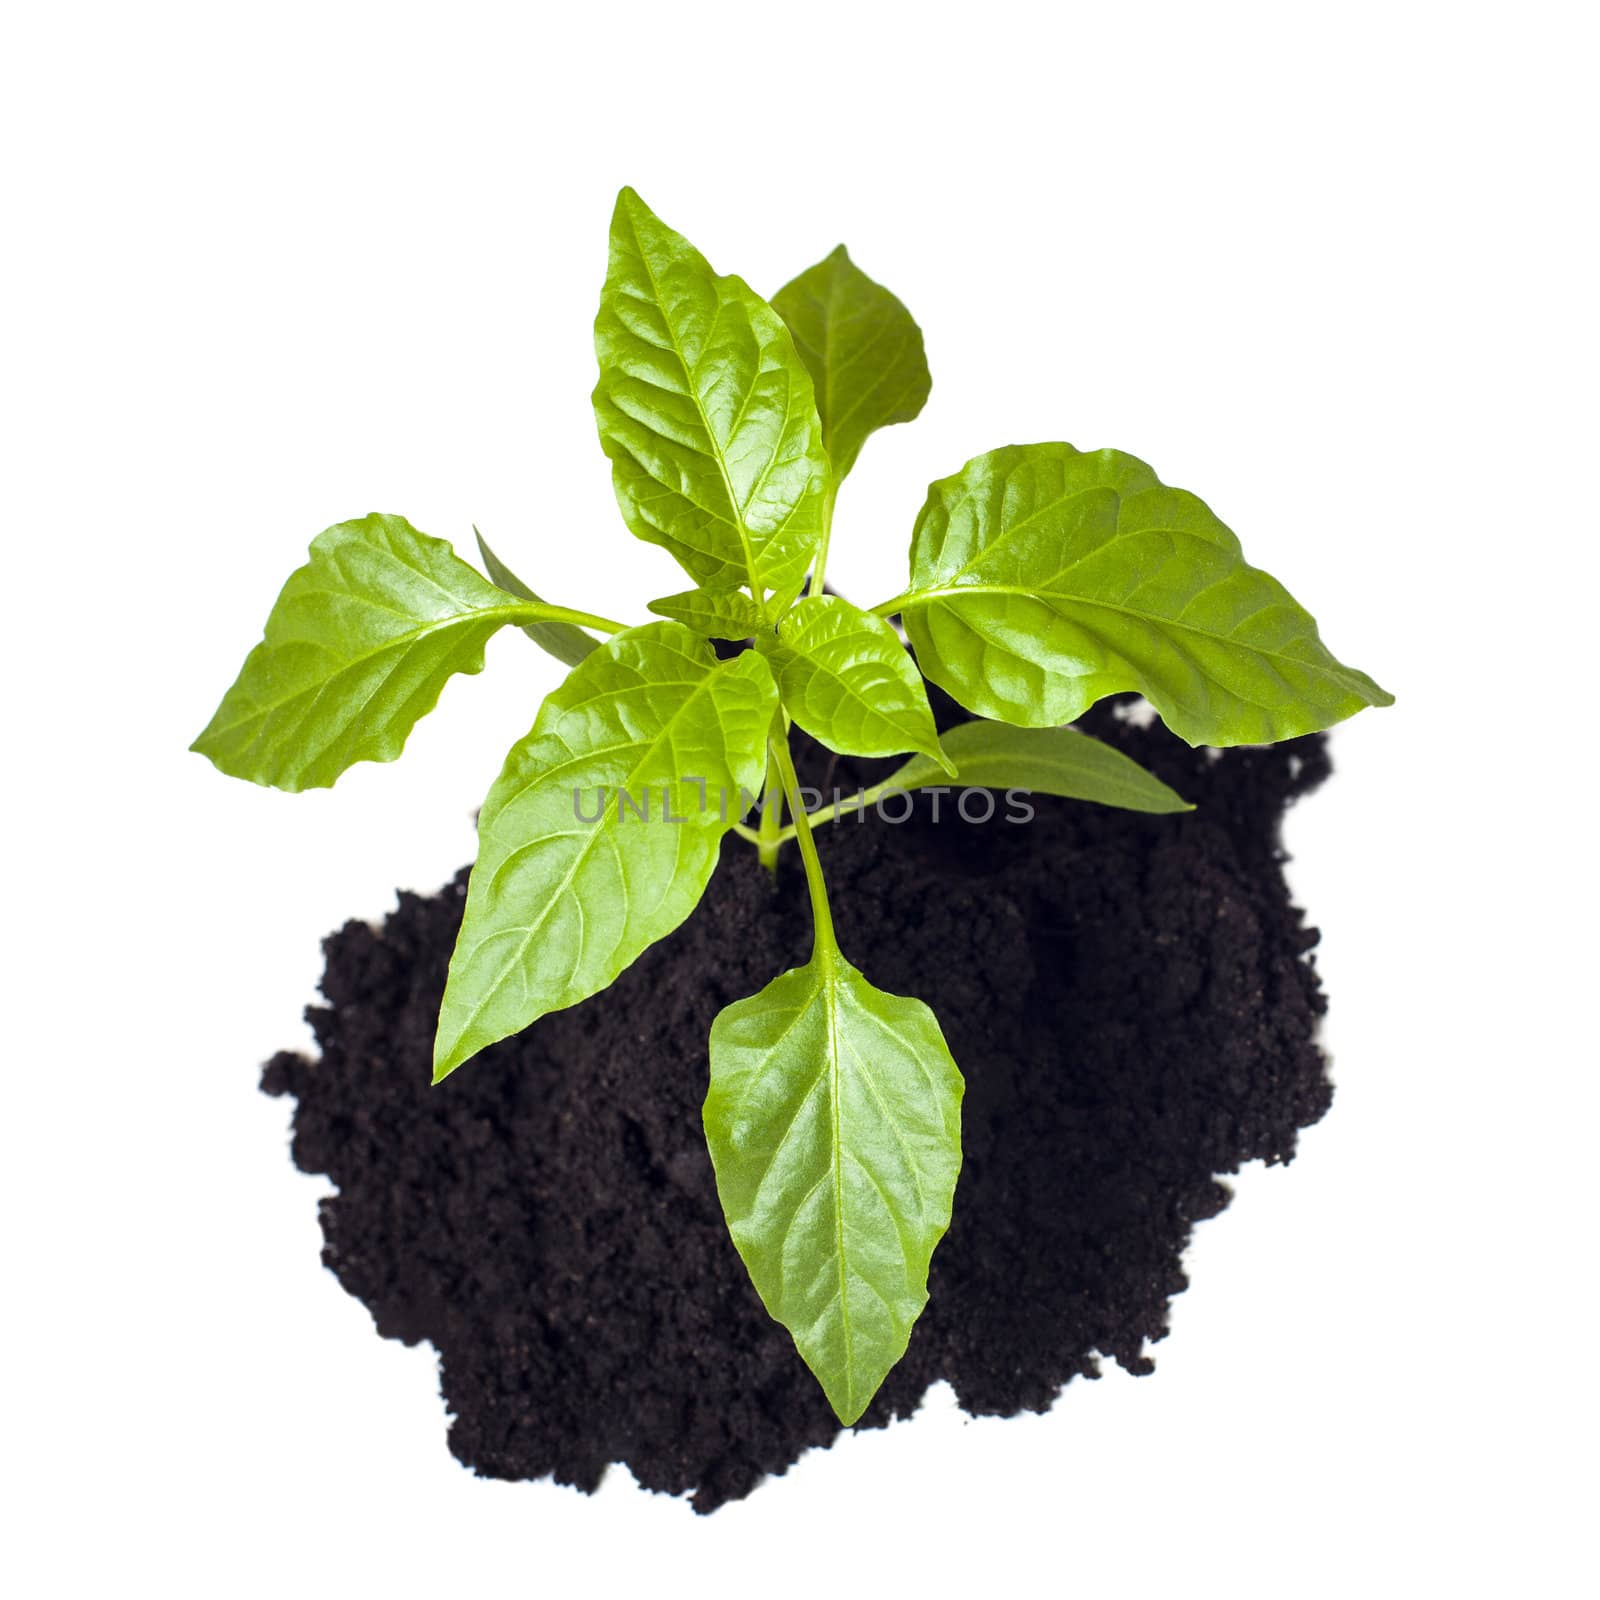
(901, 721)
(737, 521)
(829, 977)
(974, 769)
(528, 933)
(924, 597)
(904, 721)
(1006, 534)
(500, 615)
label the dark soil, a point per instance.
(1130, 1000)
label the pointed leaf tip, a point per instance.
(1044, 578)
(731, 478)
(833, 1117)
(570, 886)
(356, 650)
(862, 348)
(568, 644)
(1055, 761)
(846, 678)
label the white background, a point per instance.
(267, 268)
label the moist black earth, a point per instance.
(1130, 998)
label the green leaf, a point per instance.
(560, 639)
(356, 649)
(834, 1123)
(557, 906)
(862, 349)
(1059, 761)
(713, 613)
(846, 678)
(1043, 579)
(705, 412)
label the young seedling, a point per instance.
(1042, 578)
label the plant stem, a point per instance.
(771, 813)
(843, 807)
(820, 565)
(821, 916)
(538, 611)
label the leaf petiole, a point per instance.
(842, 807)
(766, 833)
(991, 755)
(822, 918)
(820, 566)
(539, 611)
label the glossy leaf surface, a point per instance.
(1043, 578)
(356, 649)
(846, 678)
(834, 1123)
(573, 880)
(713, 613)
(863, 350)
(706, 413)
(1058, 761)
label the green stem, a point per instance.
(820, 565)
(845, 806)
(821, 916)
(538, 611)
(899, 603)
(766, 838)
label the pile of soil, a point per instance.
(1130, 999)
